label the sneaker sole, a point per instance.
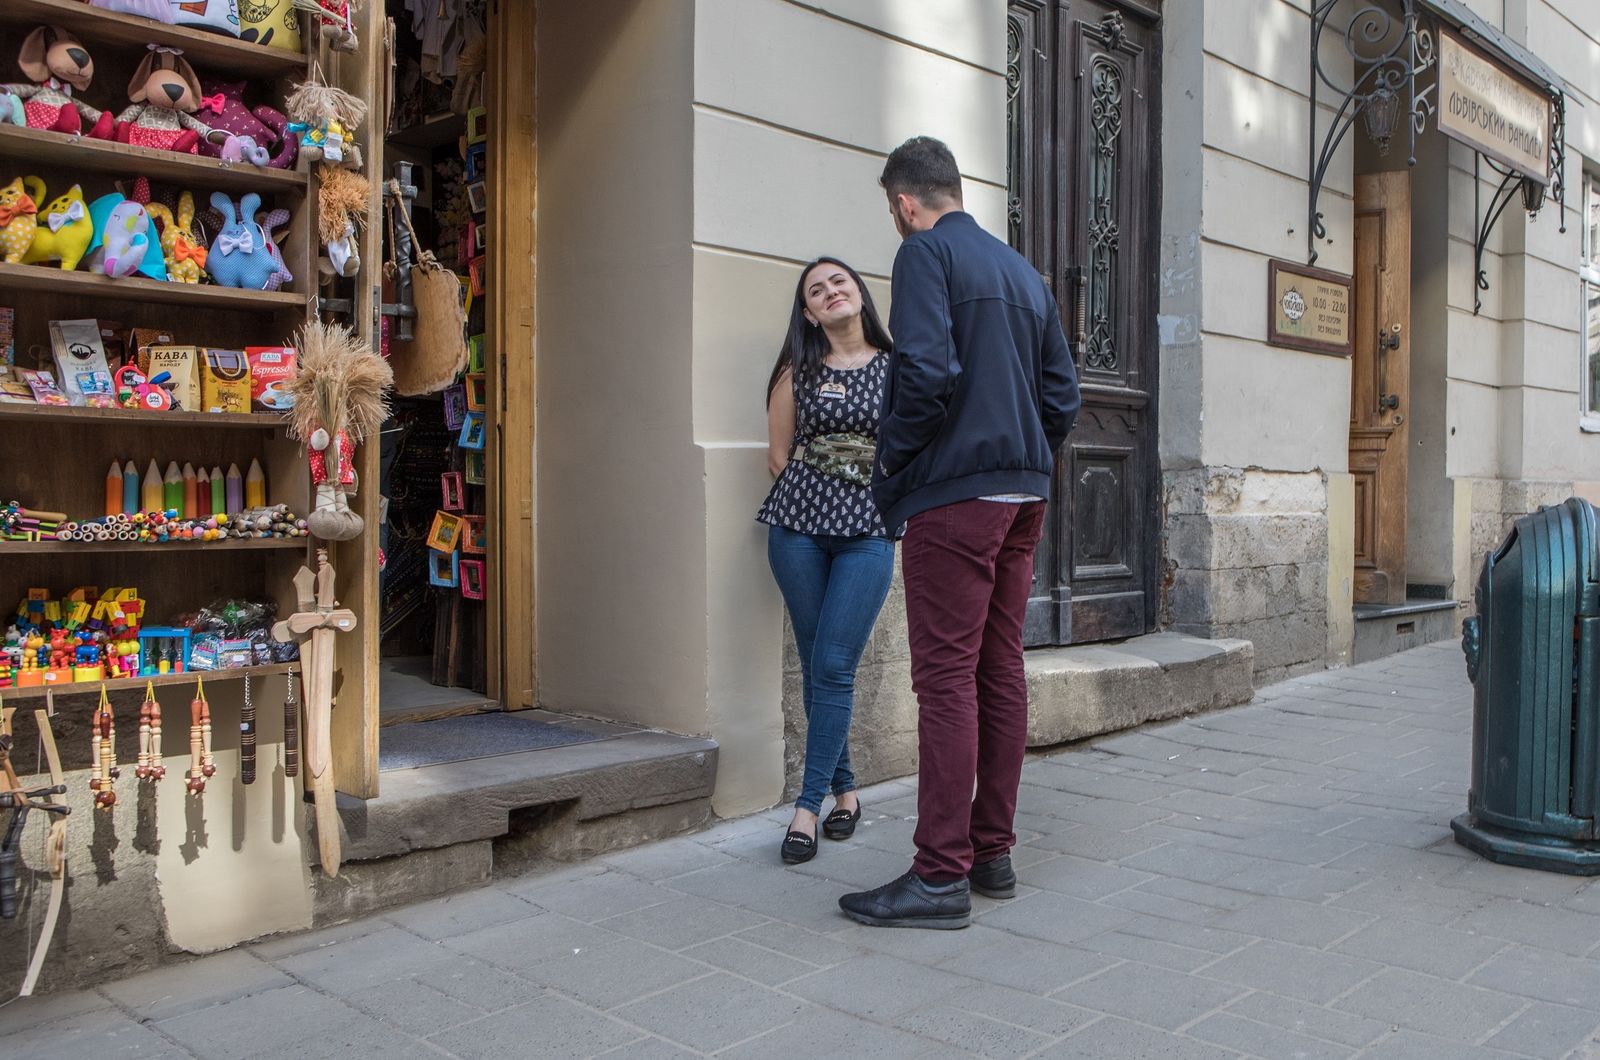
(936, 923)
(999, 892)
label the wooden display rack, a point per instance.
(57, 457)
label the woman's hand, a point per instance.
(780, 424)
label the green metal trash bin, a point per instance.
(1533, 653)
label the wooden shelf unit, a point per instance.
(48, 279)
(96, 26)
(124, 418)
(146, 549)
(16, 695)
(85, 155)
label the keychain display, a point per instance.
(247, 737)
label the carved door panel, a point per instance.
(1380, 385)
(1085, 210)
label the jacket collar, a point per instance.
(956, 217)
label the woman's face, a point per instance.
(831, 295)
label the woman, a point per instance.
(829, 552)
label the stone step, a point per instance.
(438, 828)
(1385, 629)
(1092, 689)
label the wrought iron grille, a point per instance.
(1105, 116)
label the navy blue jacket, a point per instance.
(983, 389)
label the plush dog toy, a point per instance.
(58, 64)
(65, 229)
(243, 254)
(222, 106)
(185, 254)
(165, 93)
(18, 219)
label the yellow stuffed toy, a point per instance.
(65, 228)
(186, 255)
(18, 218)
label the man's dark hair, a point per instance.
(923, 168)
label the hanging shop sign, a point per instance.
(1308, 309)
(1490, 109)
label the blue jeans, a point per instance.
(833, 588)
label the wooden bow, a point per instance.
(20, 801)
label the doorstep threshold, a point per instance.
(1413, 606)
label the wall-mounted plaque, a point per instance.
(1308, 309)
(1490, 109)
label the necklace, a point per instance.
(860, 360)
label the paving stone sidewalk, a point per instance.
(1274, 881)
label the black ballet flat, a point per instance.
(798, 848)
(841, 824)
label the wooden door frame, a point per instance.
(509, 349)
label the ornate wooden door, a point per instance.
(1083, 78)
(1380, 385)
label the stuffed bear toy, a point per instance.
(165, 93)
(58, 64)
(222, 106)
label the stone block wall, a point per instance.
(1496, 505)
(1247, 558)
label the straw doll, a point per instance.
(340, 393)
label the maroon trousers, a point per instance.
(967, 570)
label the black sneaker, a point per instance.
(994, 879)
(912, 901)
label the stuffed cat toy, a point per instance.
(65, 229)
(222, 106)
(18, 219)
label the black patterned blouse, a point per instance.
(804, 499)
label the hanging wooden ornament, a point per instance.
(103, 749)
(150, 766)
(201, 767)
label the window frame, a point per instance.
(1588, 283)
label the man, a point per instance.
(982, 394)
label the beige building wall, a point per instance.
(620, 482)
(795, 108)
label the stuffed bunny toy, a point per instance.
(58, 64)
(185, 254)
(165, 94)
(65, 228)
(262, 132)
(243, 254)
(18, 219)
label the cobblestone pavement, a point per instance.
(1275, 881)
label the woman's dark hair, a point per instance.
(805, 345)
